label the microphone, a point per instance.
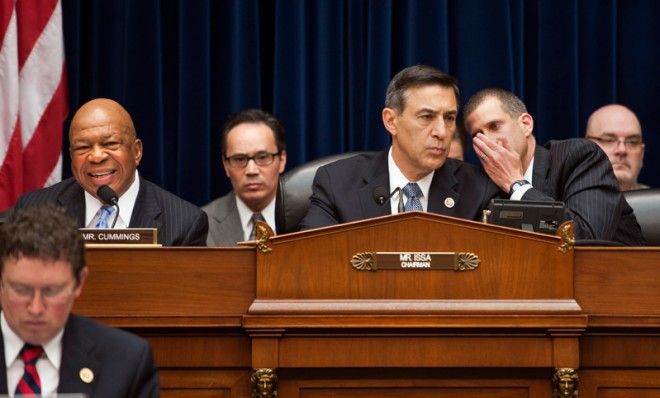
(381, 197)
(109, 196)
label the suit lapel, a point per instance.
(228, 222)
(541, 170)
(3, 367)
(146, 212)
(377, 174)
(72, 198)
(76, 355)
(442, 192)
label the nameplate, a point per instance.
(126, 236)
(410, 261)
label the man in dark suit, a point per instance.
(421, 106)
(105, 150)
(574, 171)
(253, 154)
(44, 348)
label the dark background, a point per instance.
(181, 67)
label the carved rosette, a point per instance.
(264, 383)
(466, 261)
(565, 383)
(364, 261)
(566, 232)
(262, 234)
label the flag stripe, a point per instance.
(42, 152)
(33, 96)
(33, 16)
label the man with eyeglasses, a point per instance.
(45, 349)
(573, 171)
(253, 156)
(105, 150)
(618, 132)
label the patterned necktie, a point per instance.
(104, 215)
(30, 384)
(255, 217)
(413, 192)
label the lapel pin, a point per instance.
(449, 202)
(86, 375)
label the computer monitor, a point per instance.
(530, 215)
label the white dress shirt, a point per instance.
(48, 366)
(397, 179)
(126, 204)
(245, 214)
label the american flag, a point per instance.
(33, 96)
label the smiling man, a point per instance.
(45, 349)
(421, 107)
(253, 153)
(105, 150)
(573, 171)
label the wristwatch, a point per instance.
(516, 185)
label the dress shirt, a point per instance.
(126, 203)
(397, 179)
(245, 214)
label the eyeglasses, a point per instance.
(25, 294)
(260, 158)
(612, 142)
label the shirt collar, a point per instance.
(529, 172)
(245, 214)
(397, 179)
(126, 204)
(13, 345)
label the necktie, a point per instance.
(104, 215)
(255, 217)
(30, 384)
(413, 192)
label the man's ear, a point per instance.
(389, 117)
(81, 281)
(527, 123)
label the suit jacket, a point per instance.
(179, 223)
(122, 363)
(343, 191)
(225, 227)
(578, 173)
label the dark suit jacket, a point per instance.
(343, 191)
(579, 174)
(179, 223)
(225, 227)
(122, 363)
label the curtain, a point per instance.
(181, 67)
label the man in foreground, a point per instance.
(45, 349)
(575, 171)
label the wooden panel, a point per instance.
(316, 264)
(620, 350)
(619, 383)
(618, 280)
(219, 383)
(415, 351)
(166, 286)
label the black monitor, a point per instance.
(530, 215)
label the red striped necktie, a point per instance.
(30, 383)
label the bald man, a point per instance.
(618, 132)
(105, 150)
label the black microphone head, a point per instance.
(107, 195)
(380, 195)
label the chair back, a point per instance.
(646, 205)
(295, 189)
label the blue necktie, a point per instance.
(413, 192)
(106, 211)
(30, 384)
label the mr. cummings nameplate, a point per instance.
(143, 236)
(374, 261)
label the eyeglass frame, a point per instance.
(240, 157)
(49, 294)
(631, 144)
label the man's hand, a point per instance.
(501, 163)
